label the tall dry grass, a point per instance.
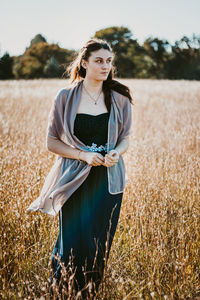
(156, 250)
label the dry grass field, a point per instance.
(156, 250)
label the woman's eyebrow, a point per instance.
(102, 57)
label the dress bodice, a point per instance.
(92, 130)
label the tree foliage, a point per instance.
(6, 63)
(51, 69)
(155, 58)
(42, 59)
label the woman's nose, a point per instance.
(105, 66)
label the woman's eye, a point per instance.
(99, 60)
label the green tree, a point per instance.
(51, 69)
(46, 58)
(6, 63)
(184, 62)
(156, 56)
(37, 39)
(44, 51)
(27, 67)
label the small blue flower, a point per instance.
(94, 147)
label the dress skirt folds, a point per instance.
(88, 219)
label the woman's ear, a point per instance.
(83, 64)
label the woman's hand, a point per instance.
(93, 158)
(111, 158)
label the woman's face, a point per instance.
(98, 65)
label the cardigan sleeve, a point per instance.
(55, 118)
(127, 121)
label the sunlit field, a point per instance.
(156, 249)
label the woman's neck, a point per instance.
(92, 85)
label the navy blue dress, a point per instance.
(89, 217)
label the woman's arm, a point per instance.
(112, 157)
(122, 147)
(62, 149)
(57, 146)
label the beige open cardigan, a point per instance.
(67, 174)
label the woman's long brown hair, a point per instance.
(76, 72)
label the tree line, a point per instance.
(155, 58)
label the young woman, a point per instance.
(89, 127)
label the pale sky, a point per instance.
(72, 23)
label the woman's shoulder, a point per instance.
(62, 94)
(65, 90)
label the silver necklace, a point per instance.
(95, 100)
